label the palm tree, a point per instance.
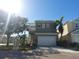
(60, 24)
(61, 27)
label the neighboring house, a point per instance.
(71, 31)
(45, 33)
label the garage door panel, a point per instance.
(46, 40)
(75, 38)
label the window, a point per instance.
(38, 25)
(43, 26)
(47, 25)
(77, 26)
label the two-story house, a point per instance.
(71, 31)
(46, 34)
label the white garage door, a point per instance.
(75, 38)
(46, 40)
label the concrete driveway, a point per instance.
(40, 53)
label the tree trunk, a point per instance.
(8, 37)
(61, 37)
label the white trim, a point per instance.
(46, 33)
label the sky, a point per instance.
(50, 9)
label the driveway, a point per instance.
(40, 53)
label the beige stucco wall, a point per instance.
(68, 27)
(65, 29)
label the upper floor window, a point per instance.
(43, 26)
(47, 25)
(38, 25)
(77, 25)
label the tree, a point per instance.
(21, 25)
(60, 24)
(21, 28)
(14, 25)
(57, 22)
(3, 17)
(9, 29)
(3, 20)
(61, 27)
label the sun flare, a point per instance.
(11, 6)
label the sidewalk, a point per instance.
(66, 50)
(41, 53)
(58, 49)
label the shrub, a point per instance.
(63, 43)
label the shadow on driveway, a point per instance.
(33, 54)
(44, 51)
